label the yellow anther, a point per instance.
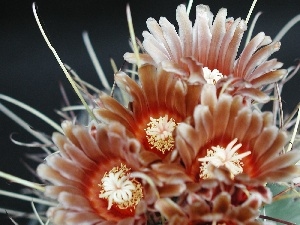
(160, 133)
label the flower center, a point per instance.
(212, 77)
(219, 156)
(160, 133)
(119, 189)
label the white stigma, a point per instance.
(118, 188)
(212, 77)
(160, 133)
(228, 157)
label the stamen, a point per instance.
(216, 223)
(219, 156)
(160, 133)
(212, 77)
(119, 189)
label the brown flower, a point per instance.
(157, 105)
(212, 45)
(215, 202)
(91, 176)
(227, 133)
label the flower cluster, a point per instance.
(190, 147)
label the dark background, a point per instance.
(30, 73)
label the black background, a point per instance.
(30, 73)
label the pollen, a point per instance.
(119, 189)
(160, 133)
(212, 77)
(219, 156)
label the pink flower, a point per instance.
(90, 176)
(100, 175)
(156, 107)
(226, 133)
(212, 46)
(215, 201)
